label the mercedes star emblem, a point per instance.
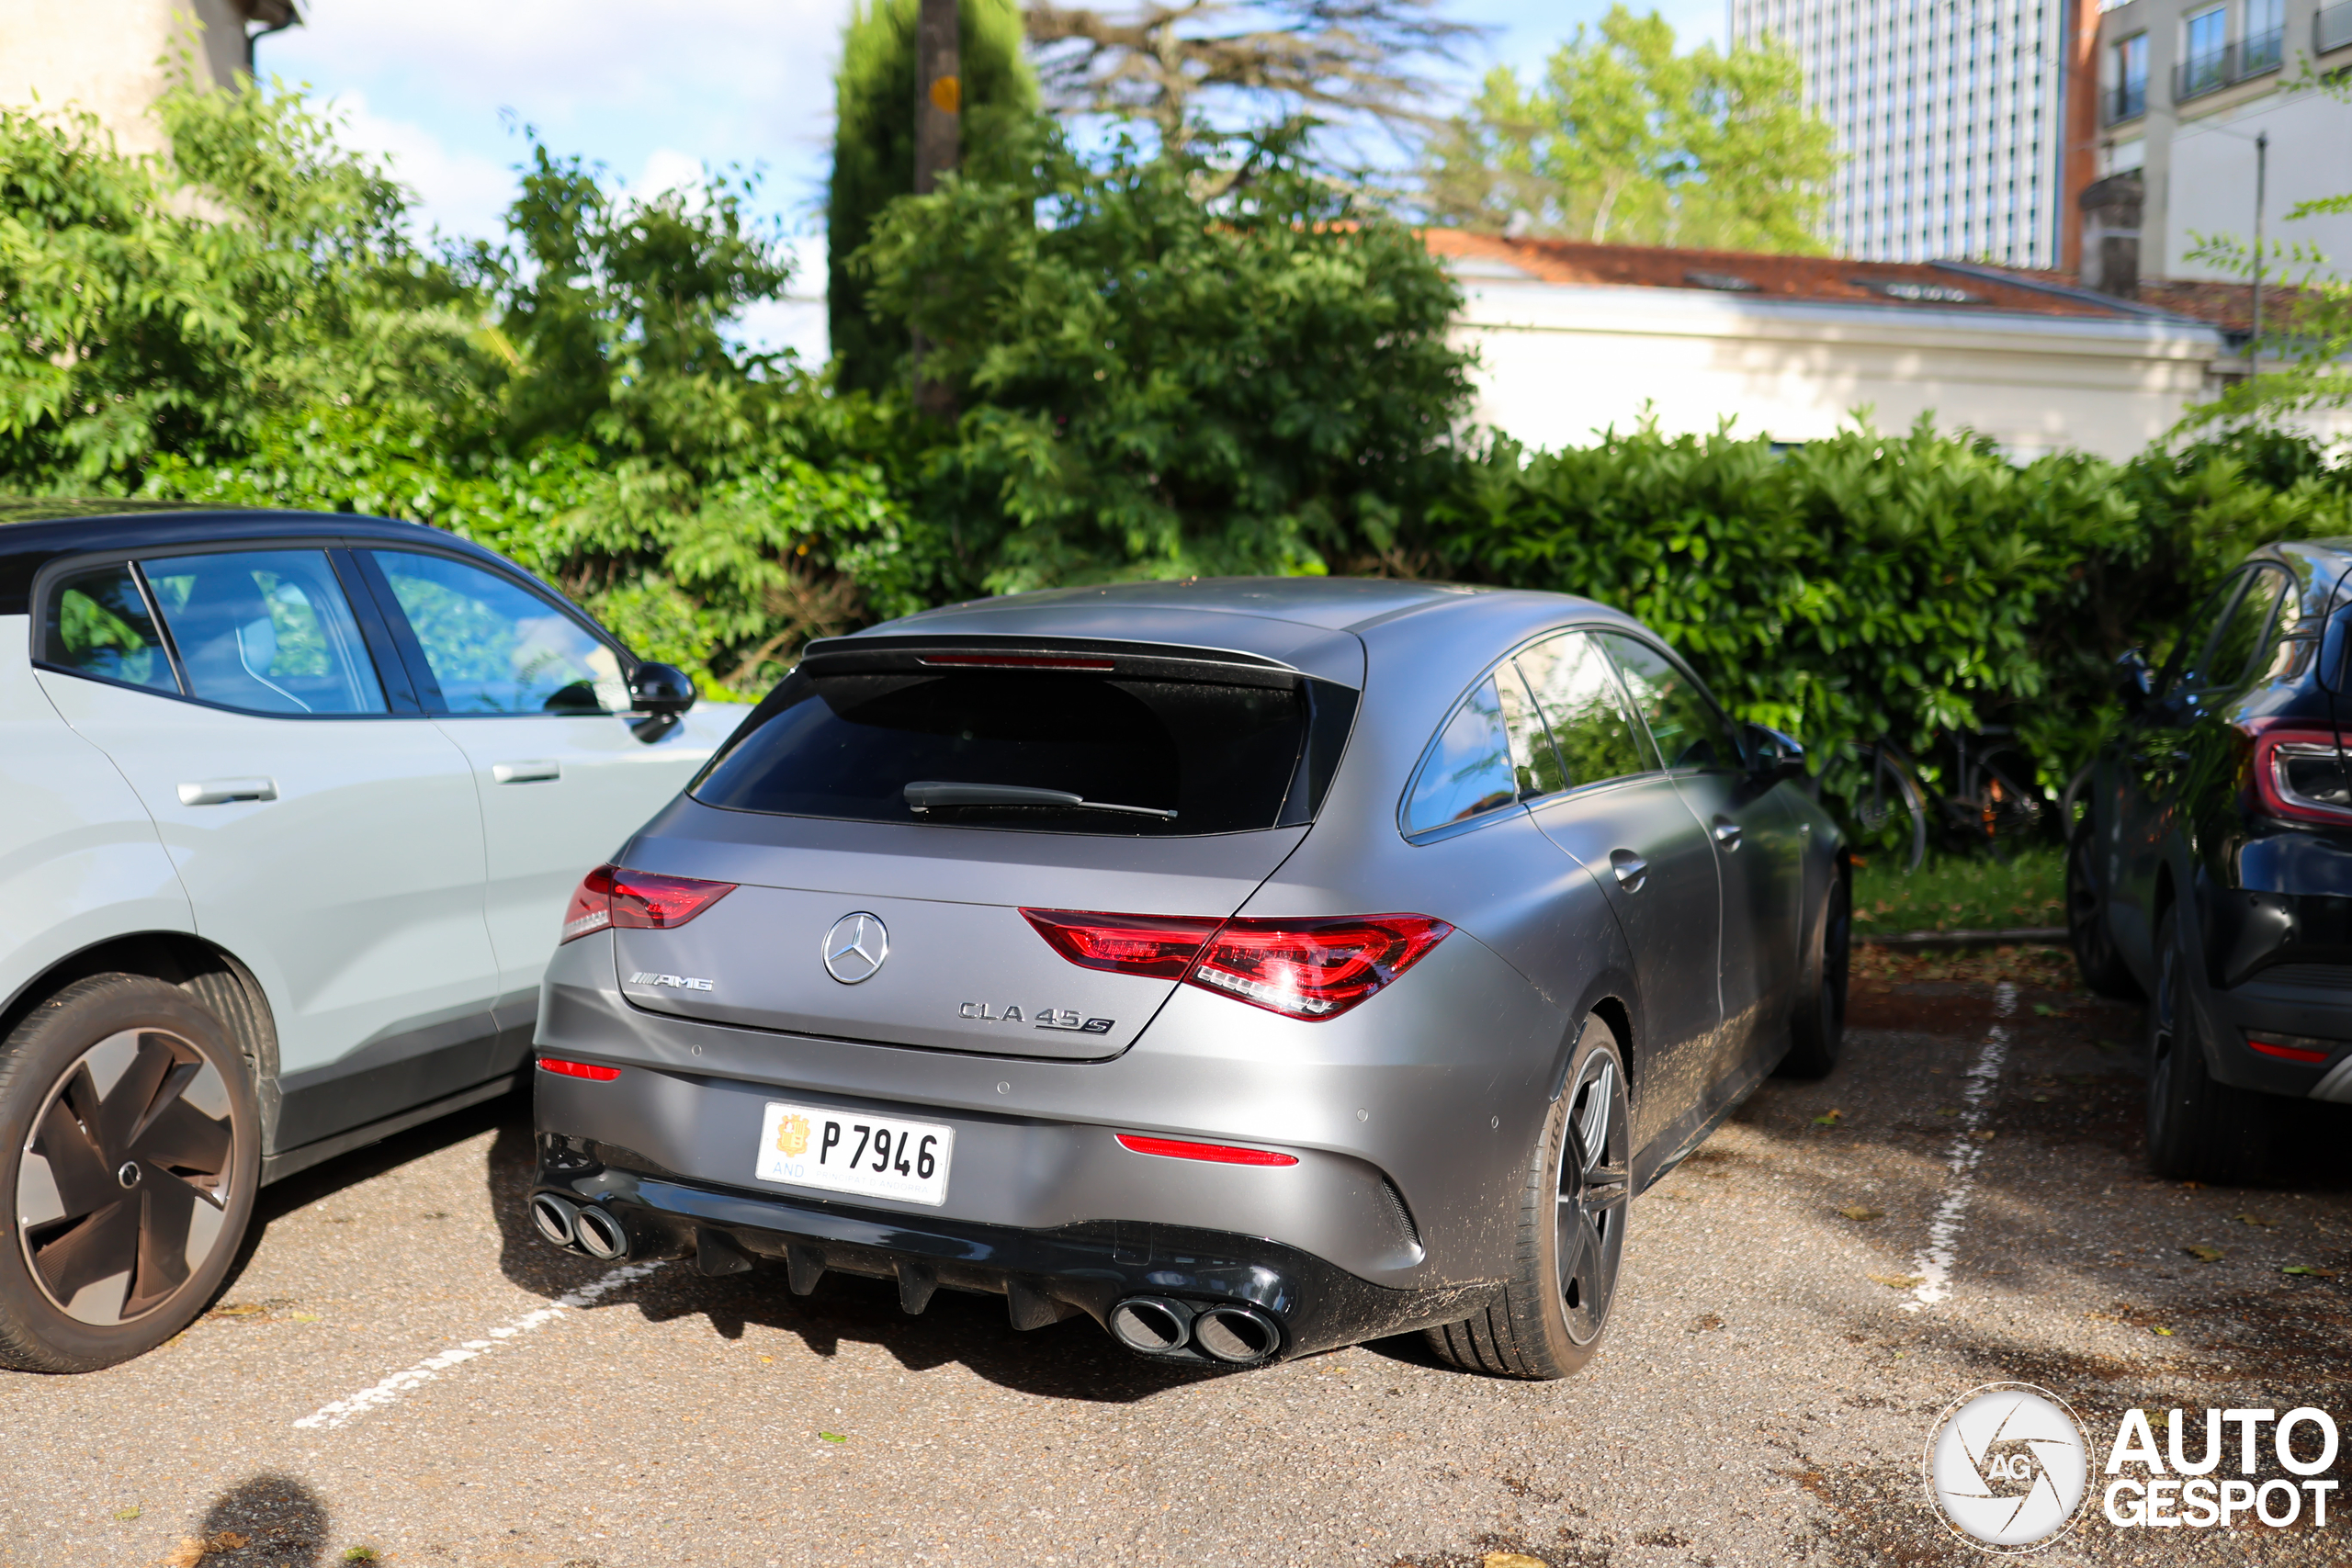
(855, 948)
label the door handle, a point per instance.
(1632, 869)
(1727, 832)
(220, 792)
(526, 773)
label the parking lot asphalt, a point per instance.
(394, 1368)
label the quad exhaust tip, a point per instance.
(1160, 1326)
(580, 1227)
(555, 1218)
(1239, 1335)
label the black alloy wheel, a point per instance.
(131, 1160)
(2199, 1129)
(2102, 967)
(1571, 1210)
(1595, 1185)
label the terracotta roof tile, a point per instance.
(1908, 285)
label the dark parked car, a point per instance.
(2213, 868)
(1251, 966)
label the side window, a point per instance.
(1468, 769)
(2243, 640)
(1534, 769)
(1585, 708)
(494, 647)
(2185, 671)
(1688, 728)
(98, 623)
(266, 630)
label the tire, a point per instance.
(2096, 957)
(130, 1135)
(1817, 1028)
(2199, 1129)
(1572, 1206)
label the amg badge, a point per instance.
(682, 982)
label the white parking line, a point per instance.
(343, 1411)
(1933, 1265)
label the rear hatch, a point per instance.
(889, 813)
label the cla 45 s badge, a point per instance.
(680, 982)
(1044, 1018)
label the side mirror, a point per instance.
(2134, 682)
(1776, 757)
(661, 690)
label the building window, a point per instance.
(2204, 56)
(2265, 30)
(2130, 97)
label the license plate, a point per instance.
(848, 1151)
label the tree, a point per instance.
(1624, 140)
(1159, 383)
(873, 152)
(1175, 62)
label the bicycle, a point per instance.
(1992, 806)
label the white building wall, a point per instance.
(2212, 179)
(1560, 363)
(114, 58)
(1949, 120)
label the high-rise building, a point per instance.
(1951, 118)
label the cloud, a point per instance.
(461, 192)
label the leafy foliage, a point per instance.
(1869, 585)
(874, 151)
(1624, 140)
(1159, 383)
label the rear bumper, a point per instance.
(1046, 1275)
(2305, 1007)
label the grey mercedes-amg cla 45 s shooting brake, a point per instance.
(1254, 966)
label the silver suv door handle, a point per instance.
(1727, 832)
(1632, 869)
(525, 772)
(220, 792)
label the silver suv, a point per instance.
(289, 809)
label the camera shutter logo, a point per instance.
(2006, 1467)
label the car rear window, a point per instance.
(1173, 757)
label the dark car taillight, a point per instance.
(2300, 774)
(611, 897)
(1311, 969)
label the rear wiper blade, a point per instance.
(924, 793)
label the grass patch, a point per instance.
(1960, 894)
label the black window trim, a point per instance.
(45, 582)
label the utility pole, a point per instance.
(939, 125)
(2261, 179)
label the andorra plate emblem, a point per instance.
(792, 1136)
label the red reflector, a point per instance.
(636, 901)
(2288, 1052)
(1017, 661)
(1215, 1153)
(1314, 969)
(588, 1070)
(1160, 947)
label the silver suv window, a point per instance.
(494, 647)
(268, 631)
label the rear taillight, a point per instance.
(2300, 774)
(611, 897)
(1311, 969)
(2291, 1047)
(1154, 946)
(589, 1070)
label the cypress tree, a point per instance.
(873, 152)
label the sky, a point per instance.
(656, 93)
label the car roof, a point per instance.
(34, 532)
(1318, 624)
